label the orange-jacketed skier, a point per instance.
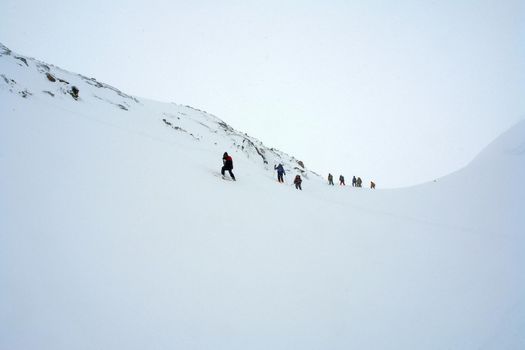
(297, 181)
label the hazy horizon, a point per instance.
(400, 93)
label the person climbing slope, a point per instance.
(372, 185)
(342, 180)
(280, 172)
(359, 182)
(297, 181)
(227, 162)
(354, 181)
(330, 179)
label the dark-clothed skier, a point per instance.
(359, 182)
(372, 185)
(354, 181)
(280, 172)
(227, 165)
(330, 179)
(342, 180)
(297, 181)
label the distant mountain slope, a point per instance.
(33, 79)
(488, 195)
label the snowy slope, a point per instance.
(51, 85)
(115, 233)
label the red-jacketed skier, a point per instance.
(227, 165)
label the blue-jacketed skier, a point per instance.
(280, 172)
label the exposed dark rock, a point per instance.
(260, 152)
(124, 106)
(4, 50)
(5, 78)
(10, 82)
(63, 81)
(178, 128)
(225, 126)
(24, 93)
(50, 77)
(302, 171)
(195, 109)
(49, 93)
(94, 82)
(74, 92)
(43, 67)
(22, 59)
(201, 123)
(171, 116)
(301, 164)
(121, 94)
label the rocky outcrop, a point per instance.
(50, 77)
(74, 92)
(22, 59)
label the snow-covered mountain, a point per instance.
(47, 84)
(115, 232)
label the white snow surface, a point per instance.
(116, 232)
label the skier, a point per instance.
(354, 181)
(227, 165)
(297, 182)
(359, 182)
(280, 172)
(372, 185)
(330, 179)
(341, 180)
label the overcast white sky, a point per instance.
(398, 91)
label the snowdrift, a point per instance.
(117, 232)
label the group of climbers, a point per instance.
(331, 180)
(356, 182)
(228, 166)
(280, 176)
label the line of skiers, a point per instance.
(227, 162)
(341, 180)
(280, 176)
(227, 165)
(356, 182)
